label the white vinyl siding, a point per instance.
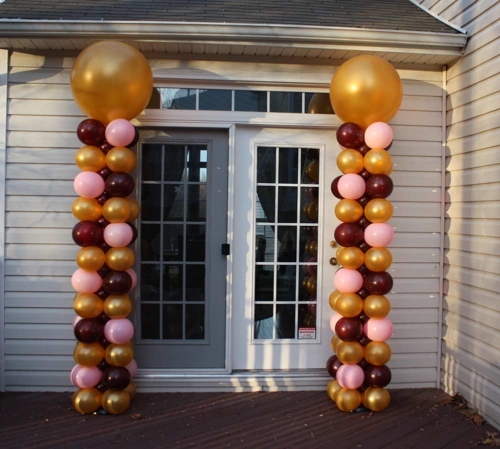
(471, 332)
(40, 252)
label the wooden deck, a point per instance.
(415, 419)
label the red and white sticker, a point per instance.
(307, 333)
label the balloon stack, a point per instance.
(366, 93)
(112, 83)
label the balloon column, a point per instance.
(365, 92)
(112, 83)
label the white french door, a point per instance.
(283, 223)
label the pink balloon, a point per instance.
(348, 281)
(74, 372)
(133, 275)
(88, 184)
(119, 331)
(333, 321)
(351, 186)
(132, 368)
(378, 329)
(76, 319)
(378, 135)
(88, 377)
(379, 235)
(84, 281)
(118, 235)
(120, 132)
(350, 376)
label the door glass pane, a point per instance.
(173, 240)
(150, 317)
(197, 202)
(289, 165)
(287, 204)
(173, 202)
(266, 204)
(151, 162)
(150, 242)
(264, 283)
(172, 321)
(266, 165)
(172, 283)
(150, 197)
(150, 282)
(195, 322)
(174, 162)
(264, 244)
(195, 282)
(285, 321)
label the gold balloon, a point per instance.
(376, 399)
(365, 90)
(88, 305)
(320, 104)
(90, 158)
(131, 389)
(87, 400)
(111, 80)
(348, 211)
(312, 171)
(335, 342)
(377, 306)
(312, 211)
(119, 355)
(377, 161)
(379, 210)
(121, 159)
(91, 258)
(88, 354)
(332, 300)
(389, 170)
(135, 210)
(350, 161)
(378, 353)
(312, 284)
(349, 353)
(332, 388)
(305, 281)
(116, 210)
(378, 259)
(313, 248)
(120, 259)
(115, 402)
(86, 209)
(339, 250)
(348, 400)
(349, 305)
(352, 258)
(117, 306)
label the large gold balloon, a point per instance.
(378, 259)
(339, 250)
(335, 342)
(312, 285)
(115, 402)
(377, 306)
(349, 353)
(389, 170)
(117, 306)
(349, 305)
(350, 161)
(120, 259)
(86, 209)
(135, 210)
(320, 104)
(313, 248)
(376, 399)
(119, 355)
(377, 353)
(377, 161)
(91, 258)
(88, 305)
(111, 80)
(365, 90)
(332, 300)
(379, 210)
(87, 400)
(116, 210)
(332, 388)
(88, 354)
(348, 211)
(348, 400)
(352, 258)
(312, 171)
(312, 210)
(90, 158)
(131, 389)
(121, 159)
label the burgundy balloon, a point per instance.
(349, 329)
(363, 271)
(363, 317)
(104, 172)
(363, 364)
(102, 222)
(103, 294)
(88, 330)
(117, 283)
(105, 147)
(379, 186)
(101, 387)
(87, 233)
(363, 149)
(364, 199)
(363, 341)
(350, 135)
(363, 388)
(116, 378)
(332, 366)
(335, 188)
(134, 233)
(135, 139)
(103, 365)
(103, 318)
(378, 376)
(120, 184)
(363, 293)
(363, 246)
(103, 342)
(365, 174)
(103, 197)
(389, 147)
(104, 246)
(91, 132)
(103, 271)
(364, 222)
(379, 283)
(348, 234)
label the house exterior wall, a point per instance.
(40, 252)
(471, 331)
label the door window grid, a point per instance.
(165, 307)
(300, 300)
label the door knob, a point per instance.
(333, 261)
(333, 244)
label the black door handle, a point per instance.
(225, 249)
